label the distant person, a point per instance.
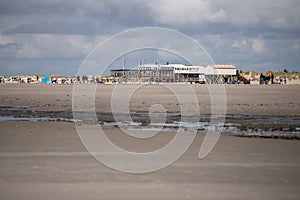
(261, 79)
(272, 77)
(78, 79)
(225, 79)
(2, 80)
(37, 78)
(284, 80)
(54, 80)
(277, 80)
(28, 80)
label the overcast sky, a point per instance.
(54, 36)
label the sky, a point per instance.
(55, 36)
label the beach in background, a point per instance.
(42, 156)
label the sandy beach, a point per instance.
(246, 99)
(46, 159)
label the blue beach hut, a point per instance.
(46, 79)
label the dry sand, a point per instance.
(46, 160)
(247, 99)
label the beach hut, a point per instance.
(46, 79)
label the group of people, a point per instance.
(279, 80)
(263, 80)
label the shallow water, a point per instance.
(228, 128)
(248, 125)
(35, 119)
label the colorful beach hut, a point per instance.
(46, 79)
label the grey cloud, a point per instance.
(19, 7)
(55, 28)
(75, 17)
(215, 16)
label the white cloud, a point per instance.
(52, 46)
(237, 45)
(6, 39)
(241, 44)
(296, 46)
(267, 13)
(258, 46)
(178, 12)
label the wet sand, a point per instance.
(46, 160)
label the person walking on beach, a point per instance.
(272, 77)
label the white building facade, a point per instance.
(176, 73)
